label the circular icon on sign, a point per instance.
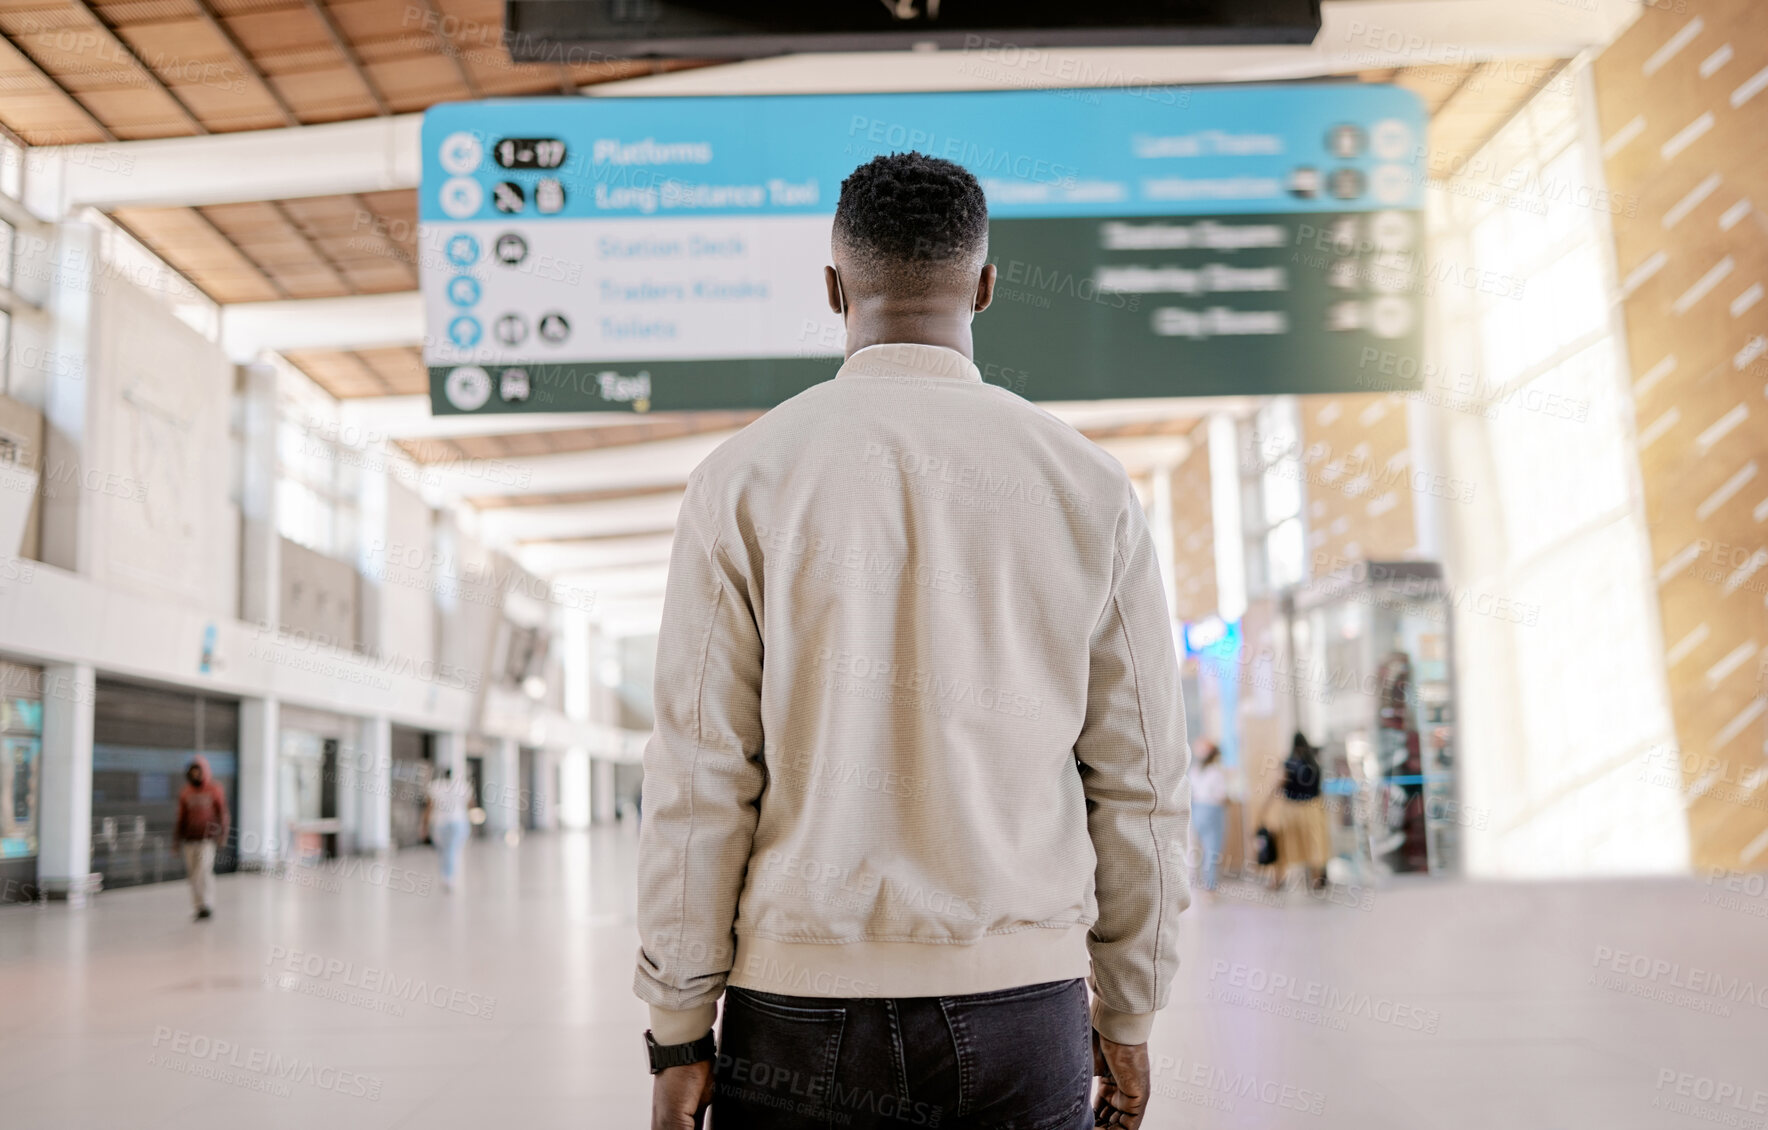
(467, 388)
(1344, 316)
(510, 329)
(1391, 271)
(1347, 184)
(507, 196)
(463, 290)
(1393, 184)
(1390, 316)
(549, 195)
(1345, 141)
(463, 250)
(465, 331)
(510, 249)
(461, 196)
(460, 153)
(1391, 231)
(1391, 140)
(554, 327)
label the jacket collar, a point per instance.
(908, 359)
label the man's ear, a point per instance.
(985, 288)
(832, 283)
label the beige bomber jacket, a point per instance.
(919, 729)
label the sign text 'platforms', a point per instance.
(638, 254)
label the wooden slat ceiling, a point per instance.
(1468, 102)
(76, 71)
(312, 247)
(392, 371)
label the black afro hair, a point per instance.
(909, 210)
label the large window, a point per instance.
(1272, 499)
(12, 172)
(1565, 697)
(315, 490)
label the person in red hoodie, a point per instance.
(200, 828)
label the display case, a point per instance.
(1375, 689)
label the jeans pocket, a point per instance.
(1024, 1055)
(776, 1063)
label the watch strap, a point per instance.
(665, 1056)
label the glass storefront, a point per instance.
(410, 781)
(21, 748)
(143, 741)
(308, 748)
(1375, 692)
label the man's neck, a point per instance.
(948, 331)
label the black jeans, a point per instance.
(1017, 1059)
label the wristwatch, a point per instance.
(664, 1056)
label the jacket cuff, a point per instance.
(681, 1026)
(1121, 1027)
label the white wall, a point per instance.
(159, 444)
(407, 596)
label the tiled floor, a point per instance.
(366, 998)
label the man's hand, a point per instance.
(1125, 1081)
(679, 1095)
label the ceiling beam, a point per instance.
(627, 467)
(549, 558)
(408, 417)
(645, 514)
(366, 155)
(359, 322)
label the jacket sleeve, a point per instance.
(223, 817)
(1133, 761)
(703, 773)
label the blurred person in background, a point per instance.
(1209, 809)
(1296, 814)
(200, 828)
(446, 819)
(899, 854)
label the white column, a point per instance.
(64, 818)
(450, 750)
(374, 812)
(257, 824)
(602, 791)
(577, 669)
(574, 783)
(260, 580)
(1225, 516)
(371, 559)
(71, 421)
(502, 788)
